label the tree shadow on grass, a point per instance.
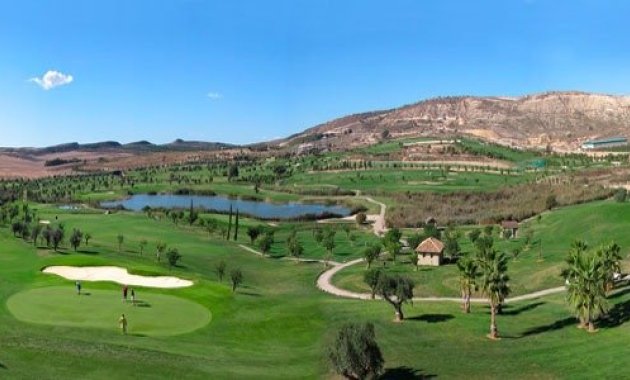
(87, 252)
(247, 290)
(309, 262)
(510, 310)
(2, 366)
(432, 318)
(618, 315)
(405, 373)
(557, 325)
(251, 294)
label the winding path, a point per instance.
(379, 221)
(324, 283)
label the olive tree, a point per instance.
(76, 238)
(219, 268)
(371, 278)
(236, 277)
(396, 290)
(355, 353)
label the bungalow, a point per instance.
(510, 225)
(430, 252)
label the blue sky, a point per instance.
(244, 71)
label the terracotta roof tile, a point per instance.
(430, 245)
(509, 224)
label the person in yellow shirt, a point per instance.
(122, 322)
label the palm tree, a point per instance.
(571, 275)
(494, 283)
(610, 263)
(585, 277)
(467, 279)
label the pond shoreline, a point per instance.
(219, 204)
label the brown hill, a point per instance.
(108, 155)
(560, 119)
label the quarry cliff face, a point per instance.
(560, 119)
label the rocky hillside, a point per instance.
(560, 119)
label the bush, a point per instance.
(355, 353)
(361, 218)
(551, 202)
(514, 202)
(621, 195)
(173, 256)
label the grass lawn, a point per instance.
(597, 223)
(152, 315)
(345, 249)
(278, 325)
(384, 181)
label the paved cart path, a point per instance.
(324, 283)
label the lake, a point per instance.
(258, 209)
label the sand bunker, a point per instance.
(118, 275)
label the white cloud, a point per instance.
(214, 95)
(52, 79)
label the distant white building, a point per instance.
(604, 143)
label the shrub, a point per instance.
(361, 218)
(514, 202)
(621, 195)
(173, 256)
(355, 353)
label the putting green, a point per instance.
(154, 314)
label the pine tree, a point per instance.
(236, 227)
(229, 231)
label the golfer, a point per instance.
(122, 322)
(133, 297)
(78, 285)
(124, 289)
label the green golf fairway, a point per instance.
(154, 315)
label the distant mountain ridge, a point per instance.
(560, 119)
(178, 145)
